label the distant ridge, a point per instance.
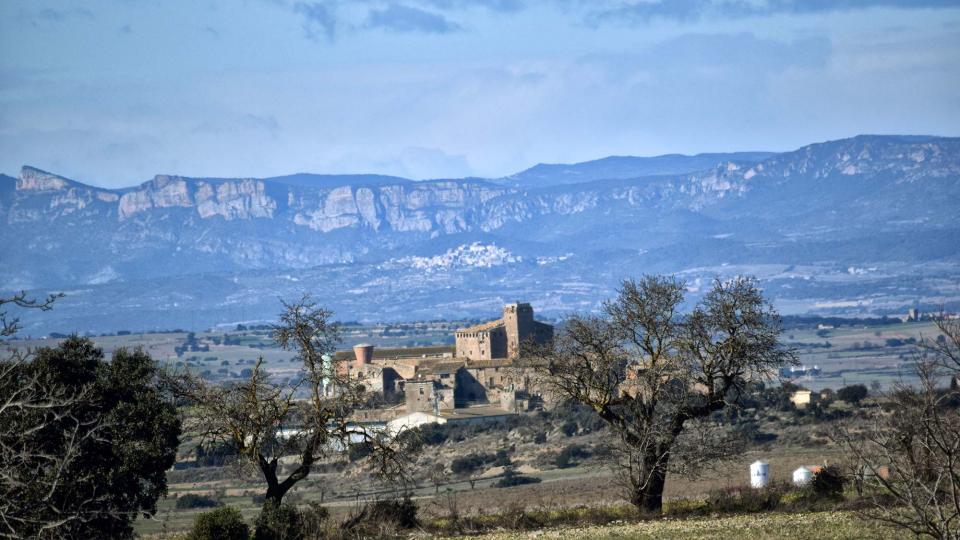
(623, 167)
(864, 225)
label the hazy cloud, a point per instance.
(694, 10)
(503, 6)
(51, 16)
(319, 18)
(401, 18)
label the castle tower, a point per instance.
(518, 323)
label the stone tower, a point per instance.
(518, 323)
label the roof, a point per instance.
(439, 367)
(496, 362)
(467, 413)
(483, 327)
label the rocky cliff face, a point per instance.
(175, 225)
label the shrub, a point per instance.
(382, 518)
(192, 500)
(746, 499)
(569, 428)
(277, 522)
(315, 518)
(570, 454)
(540, 437)
(433, 434)
(402, 511)
(853, 393)
(359, 451)
(215, 454)
(511, 478)
(828, 483)
(470, 463)
(224, 523)
(502, 459)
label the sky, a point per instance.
(112, 92)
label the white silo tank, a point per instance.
(802, 476)
(759, 474)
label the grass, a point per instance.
(824, 525)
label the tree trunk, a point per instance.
(275, 489)
(647, 495)
(275, 493)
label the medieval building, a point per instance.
(503, 337)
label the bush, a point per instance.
(470, 463)
(359, 451)
(827, 483)
(433, 434)
(382, 518)
(751, 432)
(853, 393)
(569, 455)
(315, 518)
(746, 499)
(540, 437)
(402, 512)
(224, 523)
(502, 459)
(511, 478)
(215, 454)
(191, 500)
(277, 522)
(569, 428)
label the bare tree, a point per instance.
(10, 324)
(22, 467)
(654, 375)
(31, 473)
(66, 418)
(906, 461)
(305, 419)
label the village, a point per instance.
(477, 380)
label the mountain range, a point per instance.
(866, 225)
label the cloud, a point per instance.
(328, 18)
(319, 18)
(401, 18)
(643, 12)
(50, 16)
(501, 6)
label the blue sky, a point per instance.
(112, 92)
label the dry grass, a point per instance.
(821, 525)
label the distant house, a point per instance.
(801, 398)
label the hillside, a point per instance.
(860, 225)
